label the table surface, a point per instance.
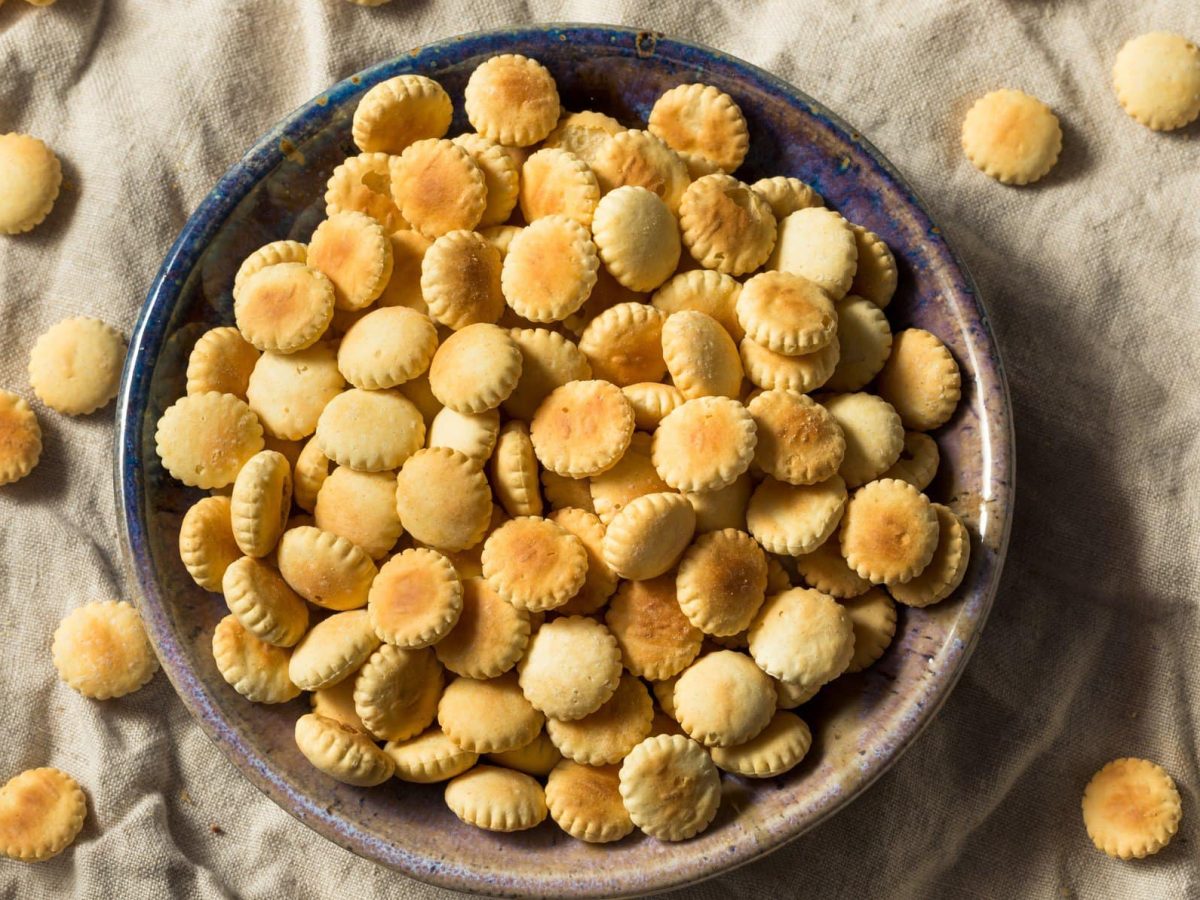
(1091, 277)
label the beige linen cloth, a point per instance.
(1093, 280)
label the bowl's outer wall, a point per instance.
(860, 723)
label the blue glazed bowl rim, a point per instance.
(150, 333)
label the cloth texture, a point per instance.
(1092, 278)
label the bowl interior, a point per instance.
(860, 723)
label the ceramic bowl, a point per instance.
(861, 723)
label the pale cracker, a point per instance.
(873, 618)
(817, 243)
(488, 716)
(776, 749)
(582, 428)
(585, 802)
(515, 471)
(101, 650)
(649, 535)
(670, 787)
(424, 484)
(572, 691)
(637, 237)
(803, 637)
(396, 692)
(873, 433)
(342, 752)
(75, 366)
(795, 519)
(497, 799)
(221, 361)
(701, 357)
(204, 439)
(332, 650)
(206, 542)
(488, 637)
(723, 699)
(371, 431)
(260, 502)
(361, 507)
(324, 568)
(386, 348)
(705, 444)
(606, 735)
(429, 757)
(255, 669)
(263, 602)
(41, 813)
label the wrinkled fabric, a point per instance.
(1093, 282)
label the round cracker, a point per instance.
(325, 569)
(649, 535)
(489, 636)
(512, 99)
(637, 237)
(569, 692)
(787, 313)
(371, 431)
(460, 280)
(488, 716)
(75, 366)
(776, 749)
(550, 269)
(889, 532)
(585, 802)
(582, 428)
(817, 243)
(795, 519)
(395, 113)
(920, 380)
(725, 225)
(101, 650)
(386, 348)
(803, 637)
(799, 441)
(723, 699)
(202, 439)
(41, 813)
(670, 787)
(656, 639)
(701, 357)
(607, 734)
(533, 563)
(475, 368)
(341, 752)
(705, 444)
(438, 187)
(722, 581)
(497, 799)
(701, 120)
(425, 481)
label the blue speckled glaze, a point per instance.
(861, 723)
